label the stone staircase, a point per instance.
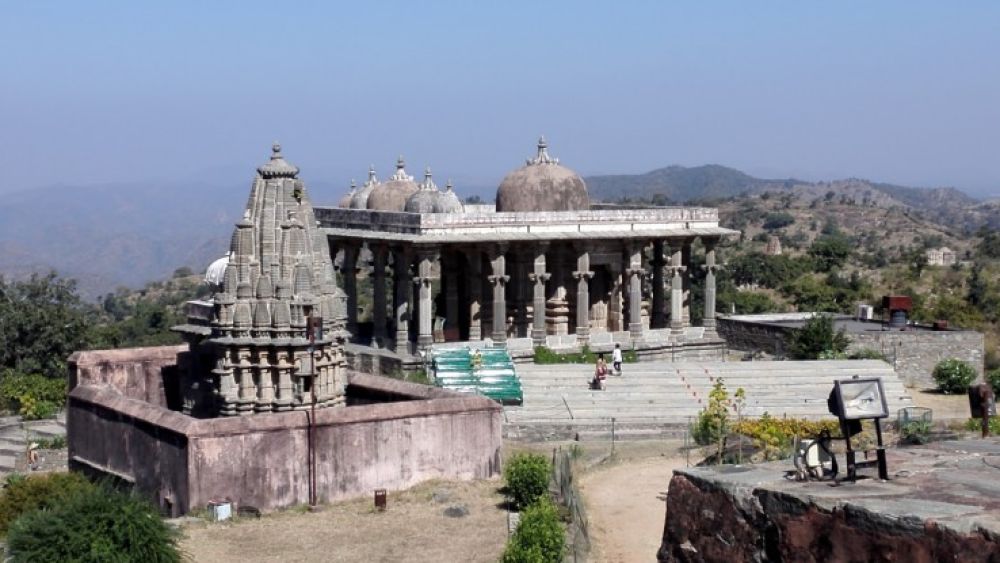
(15, 436)
(661, 398)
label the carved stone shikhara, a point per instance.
(277, 274)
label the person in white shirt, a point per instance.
(616, 359)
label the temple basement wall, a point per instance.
(395, 434)
(912, 353)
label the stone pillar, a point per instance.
(676, 290)
(422, 281)
(635, 273)
(583, 275)
(401, 302)
(710, 268)
(449, 271)
(475, 280)
(498, 278)
(349, 269)
(686, 277)
(658, 316)
(539, 276)
(379, 255)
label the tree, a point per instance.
(42, 322)
(817, 337)
(830, 251)
(777, 220)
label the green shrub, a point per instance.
(915, 432)
(867, 354)
(527, 477)
(816, 338)
(773, 436)
(545, 355)
(96, 525)
(993, 378)
(975, 425)
(25, 494)
(712, 423)
(539, 537)
(33, 396)
(953, 375)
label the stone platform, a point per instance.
(942, 503)
(660, 398)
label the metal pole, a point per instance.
(312, 431)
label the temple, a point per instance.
(544, 266)
(250, 348)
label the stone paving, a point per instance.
(15, 436)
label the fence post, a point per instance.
(612, 434)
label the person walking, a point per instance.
(616, 359)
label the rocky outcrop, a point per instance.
(940, 507)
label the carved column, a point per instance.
(676, 290)
(450, 273)
(539, 276)
(658, 317)
(686, 275)
(475, 279)
(422, 282)
(635, 273)
(349, 269)
(401, 302)
(710, 268)
(499, 279)
(379, 256)
(583, 275)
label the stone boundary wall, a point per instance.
(261, 460)
(912, 353)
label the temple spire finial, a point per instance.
(543, 154)
(428, 183)
(400, 173)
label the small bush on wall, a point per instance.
(953, 375)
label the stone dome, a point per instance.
(542, 185)
(426, 198)
(216, 272)
(360, 198)
(345, 202)
(393, 193)
(448, 202)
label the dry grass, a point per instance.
(413, 528)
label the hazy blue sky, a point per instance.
(906, 92)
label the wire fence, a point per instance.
(569, 496)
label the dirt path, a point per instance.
(626, 517)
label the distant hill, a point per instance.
(678, 184)
(114, 235)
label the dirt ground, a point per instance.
(944, 406)
(413, 528)
(624, 501)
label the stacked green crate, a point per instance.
(496, 377)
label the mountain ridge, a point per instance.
(127, 234)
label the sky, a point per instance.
(99, 92)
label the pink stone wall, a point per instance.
(134, 372)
